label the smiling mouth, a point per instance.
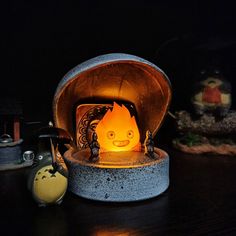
(121, 143)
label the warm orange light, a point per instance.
(115, 232)
(118, 131)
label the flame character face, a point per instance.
(118, 131)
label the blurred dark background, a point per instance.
(41, 41)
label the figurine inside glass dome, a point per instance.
(212, 94)
(212, 126)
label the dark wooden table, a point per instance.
(201, 200)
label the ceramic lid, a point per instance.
(114, 77)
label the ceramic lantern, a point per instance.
(113, 106)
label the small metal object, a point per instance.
(28, 155)
(6, 138)
(149, 145)
(94, 148)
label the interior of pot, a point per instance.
(127, 82)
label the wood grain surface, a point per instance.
(201, 200)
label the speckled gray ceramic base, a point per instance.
(105, 182)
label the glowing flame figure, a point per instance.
(118, 131)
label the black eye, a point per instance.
(111, 134)
(130, 134)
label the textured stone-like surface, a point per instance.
(119, 184)
(206, 124)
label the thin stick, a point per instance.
(53, 153)
(172, 115)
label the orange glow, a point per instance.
(115, 232)
(118, 131)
